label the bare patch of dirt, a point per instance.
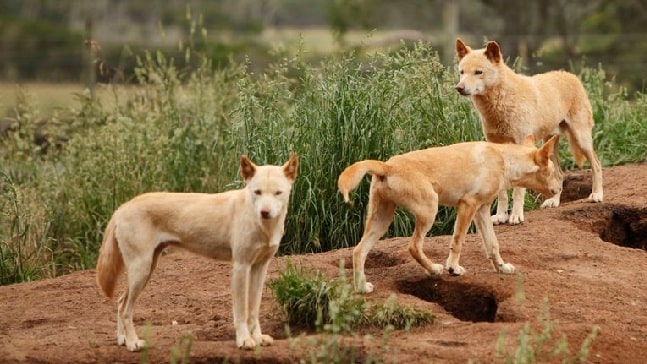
(586, 260)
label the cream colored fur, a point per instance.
(512, 106)
(244, 226)
(466, 175)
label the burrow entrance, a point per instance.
(618, 224)
(626, 226)
(465, 301)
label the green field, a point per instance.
(184, 130)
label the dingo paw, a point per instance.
(437, 269)
(135, 345)
(595, 197)
(500, 218)
(246, 343)
(264, 340)
(516, 219)
(121, 339)
(456, 270)
(506, 268)
(365, 288)
(550, 203)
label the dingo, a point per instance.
(513, 106)
(466, 175)
(244, 225)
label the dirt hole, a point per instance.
(626, 226)
(465, 301)
(618, 224)
(375, 259)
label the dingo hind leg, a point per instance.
(140, 263)
(380, 216)
(425, 216)
(464, 216)
(580, 138)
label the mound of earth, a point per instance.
(583, 261)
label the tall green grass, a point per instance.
(184, 128)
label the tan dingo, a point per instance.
(465, 175)
(513, 106)
(244, 225)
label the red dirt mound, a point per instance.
(585, 260)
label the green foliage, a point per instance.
(183, 129)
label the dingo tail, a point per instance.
(110, 262)
(351, 176)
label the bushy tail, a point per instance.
(110, 262)
(352, 175)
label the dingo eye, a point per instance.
(478, 72)
(278, 193)
(257, 192)
(461, 72)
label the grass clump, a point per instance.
(541, 345)
(307, 299)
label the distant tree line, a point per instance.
(44, 40)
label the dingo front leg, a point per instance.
(490, 242)
(239, 292)
(257, 279)
(501, 216)
(518, 197)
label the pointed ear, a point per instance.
(291, 166)
(461, 49)
(247, 168)
(543, 154)
(529, 141)
(493, 52)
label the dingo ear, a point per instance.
(529, 141)
(542, 156)
(493, 52)
(291, 166)
(461, 49)
(247, 168)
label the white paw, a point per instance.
(437, 269)
(367, 287)
(516, 219)
(264, 340)
(121, 339)
(455, 270)
(506, 268)
(246, 343)
(500, 218)
(136, 345)
(596, 197)
(550, 203)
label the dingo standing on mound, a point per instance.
(466, 175)
(513, 106)
(244, 225)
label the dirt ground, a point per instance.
(585, 260)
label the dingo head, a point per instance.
(479, 69)
(543, 175)
(269, 186)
